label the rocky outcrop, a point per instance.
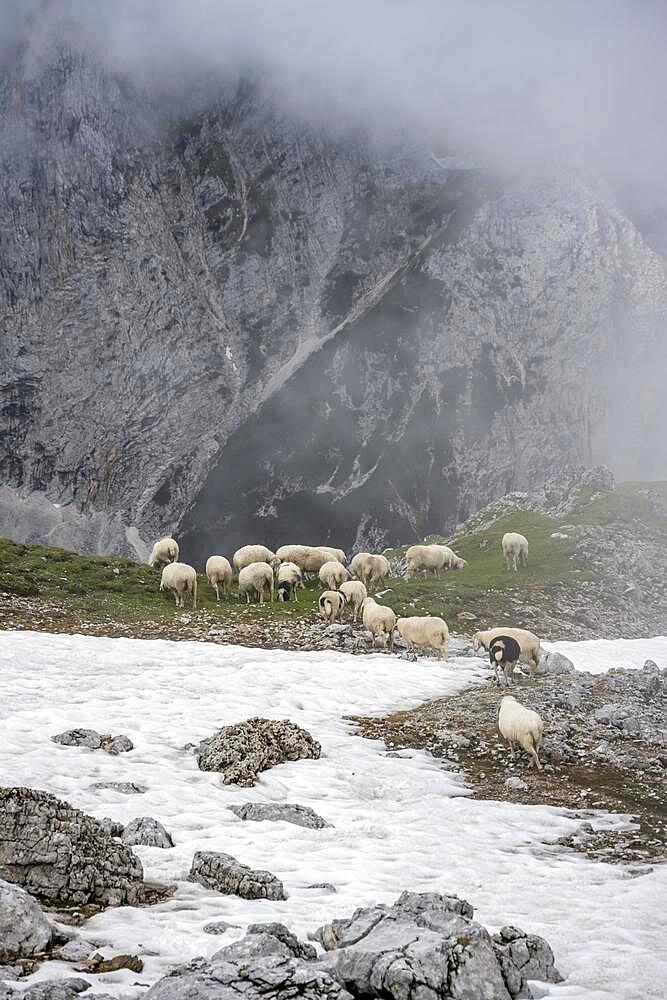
(428, 944)
(147, 831)
(241, 751)
(58, 989)
(59, 854)
(280, 811)
(24, 930)
(224, 873)
(384, 339)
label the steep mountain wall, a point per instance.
(236, 326)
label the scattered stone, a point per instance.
(80, 738)
(218, 927)
(55, 989)
(324, 886)
(76, 950)
(98, 964)
(146, 831)
(268, 962)
(61, 855)
(224, 873)
(241, 751)
(7, 973)
(24, 930)
(516, 783)
(427, 938)
(287, 812)
(126, 787)
(119, 744)
(553, 662)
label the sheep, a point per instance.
(530, 644)
(164, 551)
(370, 569)
(332, 574)
(336, 554)
(314, 559)
(285, 590)
(182, 579)
(219, 573)
(289, 573)
(515, 547)
(355, 594)
(504, 653)
(424, 631)
(518, 724)
(379, 620)
(431, 557)
(254, 579)
(249, 554)
(331, 604)
(291, 553)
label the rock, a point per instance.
(58, 853)
(98, 963)
(218, 927)
(146, 831)
(119, 744)
(612, 715)
(126, 787)
(111, 826)
(516, 783)
(8, 972)
(79, 738)
(553, 662)
(269, 962)
(427, 945)
(324, 886)
(55, 989)
(225, 874)
(76, 950)
(337, 629)
(285, 811)
(241, 751)
(24, 930)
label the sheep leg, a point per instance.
(217, 591)
(528, 745)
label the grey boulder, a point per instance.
(146, 831)
(24, 930)
(79, 738)
(53, 989)
(224, 873)
(555, 663)
(117, 744)
(427, 945)
(286, 811)
(241, 751)
(61, 855)
(124, 787)
(268, 962)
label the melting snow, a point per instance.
(399, 822)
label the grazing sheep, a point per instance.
(254, 580)
(332, 574)
(249, 554)
(164, 551)
(285, 590)
(182, 579)
(331, 604)
(424, 631)
(336, 554)
(292, 553)
(528, 641)
(370, 569)
(355, 594)
(289, 572)
(504, 653)
(379, 620)
(219, 574)
(314, 558)
(515, 547)
(433, 558)
(518, 724)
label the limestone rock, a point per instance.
(276, 811)
(24, 930)
(147, 831)
(58, 853)
(241, 751)
(224, 873)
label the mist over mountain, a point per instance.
(283, 271)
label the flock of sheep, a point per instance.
(263, 572)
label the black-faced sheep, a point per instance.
(528, 641)
(504, 653)
(331, 604)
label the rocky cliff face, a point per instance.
(235, 326)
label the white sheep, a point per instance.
(332, 574)
(331, 604)
(518, 724)
(292, 553)
(355, 594)
(219, 573)
(515, 548)
(529, 642)
(289, 572)
(254, 580)
(379, 620)
(336, 554)
(164, 551)
(182, 579)
(314, 558)
(370, 569)
(431, 558)
(249, 554)
(424, 631)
